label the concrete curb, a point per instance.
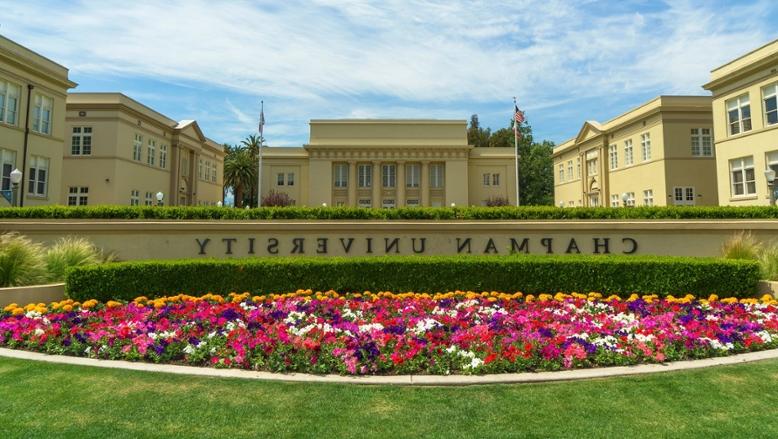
(415, 380)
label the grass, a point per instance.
(48, 400)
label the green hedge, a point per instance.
(416, 213)
(526, 273)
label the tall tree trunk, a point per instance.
(239, 195)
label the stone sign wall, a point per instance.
(155, 239)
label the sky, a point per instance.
(566, 61)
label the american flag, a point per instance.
(262, 119)
(518, 118)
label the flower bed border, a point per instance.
(401, 380)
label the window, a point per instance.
(134, 197)
(412, 202)
(630, 199)
(648, 197)
(613, 156)
(389, 175)
(365, 202)
(412, 175)
(683, 196)
(561, 173)
(9, 102)
(614, 201)
(645, 146)
(495, 179)
(38, 176)
(388, 204)
(81, 141)
(148, 201)
(280, 179)
(365, 176)
(437, 176)
(8, 162)
(743, 178)
(341, 175)
(184, 166)
(772, 162)
(207, 167)
(628, 156)
(162, 156)
(702, 142)
(213, 171)
(290, 179)
(152, 152)
(78, 195)
(200, 169)
(591, 166)
(137, 147)
(594, 200)
(770, 97)
(739, 114)
(42, 108)
(569, 169)
(487, 179)
(578, 167)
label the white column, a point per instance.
(377, 183)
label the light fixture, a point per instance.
(16, 176)
(453, 204)
(625, 198)
(160, 196)
(770, 175)
(218, 204)
(323, 204)
(561, 204)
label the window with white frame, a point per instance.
(591, 166)
(214, 169)
(207, 167)
(8, 163)
(702, 142)
(9, 102)
(412, 202)
(38, 177)
(630, 199)
(645, 146)
(200, 169)
(163, 156)
(78, 195)
(388, 203)
(561, 173)
(290, 179)
(648, 197)
(495, 179)
(739, 114)
(614, 201)
(341, 175)
(151, 152)
(41, 114)
(683, 196)
(365, 202)
(770, 98)
(388, 175)
(81, 141)
(487, 179)
(613, 155)
(365, 176)
(280, 179)
(629, 157)
(569, 169)
(743, 176)
(578, 167)
(771, 159)
(594, 200)
(149, 199)
(137, 147)
(412, 175)
(437, 176)
(134, 197)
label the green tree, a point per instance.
(251, 144)
(240, 172)
(476, 135)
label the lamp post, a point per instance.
(160, 197)
(624, 198)
(770, 175)
(16, 178)
(219, 204)
(561, 204)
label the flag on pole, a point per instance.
(261, 120)
(518, 119)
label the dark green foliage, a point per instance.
(415, 213)
(526, 273)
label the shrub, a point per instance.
(497, 201)
(70, 252)
(277, 199)
(417, 213)
(741, 246)
(21, 261)
(526, 273)
(768, 259)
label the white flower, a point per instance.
(39, 331)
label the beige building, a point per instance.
(32, 123)
(660, 153)
(119, 151)
(389, 163)
(745, 121)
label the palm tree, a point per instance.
(240, 171)
(252, 143)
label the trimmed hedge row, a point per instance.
(414, 213)
(526, 273)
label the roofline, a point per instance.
(120, 94)
(67, 81)
(33, 51)
(744, 55)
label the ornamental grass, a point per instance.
(388, 333)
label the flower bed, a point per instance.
(385, 333)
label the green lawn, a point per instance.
(47, 400)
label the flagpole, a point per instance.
(259, 171)
(516, 149)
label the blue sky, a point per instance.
(567, 61)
